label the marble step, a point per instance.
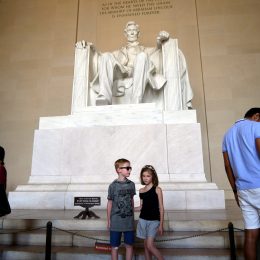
(88, 225)
(84, 253)
(174, 220)
(200, 221)
(218, 240)
(182, 234)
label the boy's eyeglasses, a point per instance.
(129, 168)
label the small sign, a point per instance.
(87, 201)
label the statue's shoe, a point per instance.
(101, 101)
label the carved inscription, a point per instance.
(125, 8)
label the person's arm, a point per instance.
(230, 175)
(3, 176)
(161, 208)
(140, 206)
(109, 208)
(257, 142)
(141, 202)
(133, 204)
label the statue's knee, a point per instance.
(141, 59)
(141, 56)
(106, 56)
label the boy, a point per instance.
(120, 209)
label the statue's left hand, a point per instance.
(162, 37)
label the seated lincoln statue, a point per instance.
(131, 75)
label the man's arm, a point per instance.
(3, 176)
(257, 142)
(230, 175)
(109, 207)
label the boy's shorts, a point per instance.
(115, 238)
(147, 228)
(250, 206)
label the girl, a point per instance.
(152, 212)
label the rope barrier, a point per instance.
(106, 246)
(80, 235)
(106, 240)
(239, 229)
(22, 231)
(192, 236)
(157, 240)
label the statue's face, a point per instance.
(132, 33)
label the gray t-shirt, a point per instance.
(122, 214)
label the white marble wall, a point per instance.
(90, 151)
(77, 159)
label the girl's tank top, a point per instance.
(150, 207)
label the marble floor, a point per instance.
(175, 220)
(182, 222)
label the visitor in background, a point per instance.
(4, 204)
(241, 152)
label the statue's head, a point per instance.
(132, 31)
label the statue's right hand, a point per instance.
(83, 44)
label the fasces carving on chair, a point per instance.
(131, 75)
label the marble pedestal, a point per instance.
(74, 156)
